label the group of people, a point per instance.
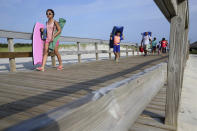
(149, 45)
(53, 30)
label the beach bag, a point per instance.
(52, 45)
(163, 43)
(44, 34)
(141, 49)
(111, 43)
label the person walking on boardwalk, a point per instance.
(154, 46)
(164, 45)
(146, 40)
(116, 47)
(52, 26)
(159, 47)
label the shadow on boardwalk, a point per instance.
(20, 106)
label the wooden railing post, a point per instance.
(96, 50)
(11, 49)
(133, 51)
(127, 53)
(110, 53)
(79, 54)
(175, 65)
(53, 60)
(137, 49)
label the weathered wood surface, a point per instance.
(152, 118)
(30, 54)
(24, 95)
(177, 12)
(28, 36)
(178, 42)
(11, 49)
(167, 7)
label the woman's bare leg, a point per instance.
(115, 55)
(45, 55)
(58, 55)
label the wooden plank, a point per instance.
(167, 7)
(101, 107)
(142, 127)
(153, 117)
(28, 36)
(154, 123)
(96, 50)
(36, 84)
(127, 53)
(158, 103)
(13, 55)
(53, 61)
(29, 54)
(156, 107)
(74, 91)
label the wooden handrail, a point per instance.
(28, 36)
(13, 55)
(11, 35)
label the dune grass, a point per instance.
(28, 47)
(193, 51)
(17, 49)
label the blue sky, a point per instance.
(93, 18)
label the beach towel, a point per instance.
(53, 44)
(114, 30)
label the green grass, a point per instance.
(28, 47)
(67, 46)
(193, 51)
(17, 49)
(72, 45)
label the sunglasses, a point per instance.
(48, 13)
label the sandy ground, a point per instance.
(26, 64)
(187, 118)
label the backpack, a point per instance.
(163, 43)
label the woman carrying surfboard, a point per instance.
(53, 30)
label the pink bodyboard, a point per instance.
(38, 44)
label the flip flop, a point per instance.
(60, 68)
(40, 69)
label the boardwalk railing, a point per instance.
(11, 35)
(177, 13)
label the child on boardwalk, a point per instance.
(116, 48)
(52, 26)
(154, 44)
(164, 45)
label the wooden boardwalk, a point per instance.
(24, 95)
(153, 117)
